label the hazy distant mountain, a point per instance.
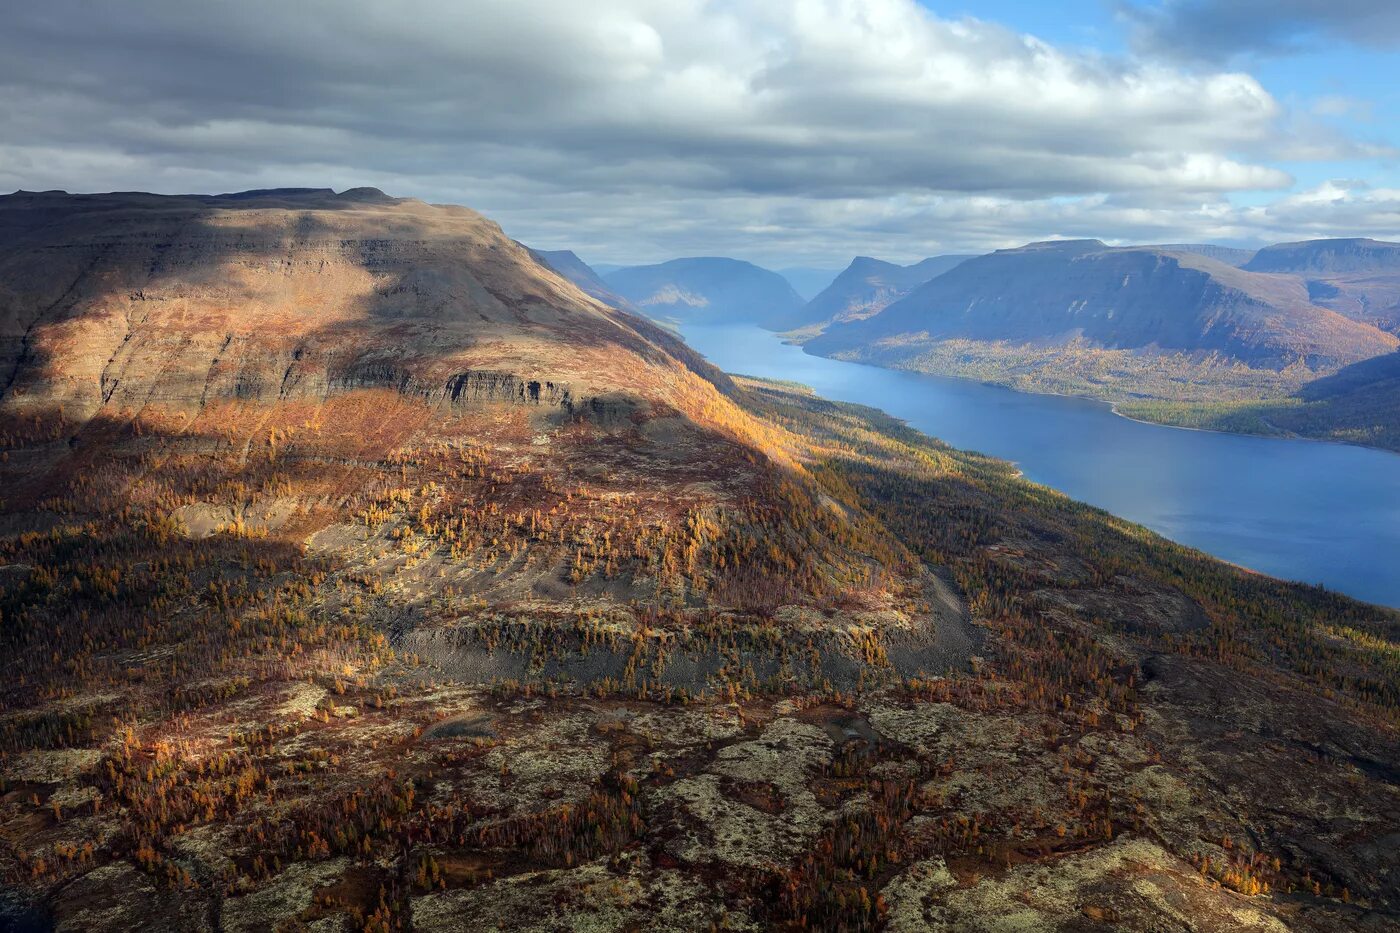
(1230, 255)
(708, 289)
(567, 264)
(1135, 298)
(808, 282)
(868, 286)
(1324, 257)
(1356, 277)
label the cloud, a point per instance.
(1347, 205)
(786, 129)
(1217, 30)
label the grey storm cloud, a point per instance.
(788, 130)
(1217, 30)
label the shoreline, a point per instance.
(1288, 570)
(1111, 405)
(1020, 474)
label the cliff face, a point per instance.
(1131, 298)
(126, 300)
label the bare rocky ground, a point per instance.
(392, 618)
(517, 760)
(703, 812)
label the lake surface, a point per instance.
(1302, 510)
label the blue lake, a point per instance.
(1302, 510)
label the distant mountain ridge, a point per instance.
(708, 288)
(868, 286)
(1357, 277)
(1134, 298)
(1230, 255)
(1349, 255)
(567, 263)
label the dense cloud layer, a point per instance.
(635, 129)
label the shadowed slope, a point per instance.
(567, 264)
(867, 286)
(119, 301)
(1134, 298)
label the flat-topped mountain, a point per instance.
(1134, 298)
(709, 289)
(120, 301)
(1357, 277)
(1343, 255)
(868, 286)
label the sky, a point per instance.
(785, 132)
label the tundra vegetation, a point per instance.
(229, 698)
(447, 598)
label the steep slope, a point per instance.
(115, 302)
(1360, 404)
(868, 286)
(708, 289)
(273, 363)
(1166, 336)
(1357, 277)
(1380, 373)
(567, 264)
(333, 333)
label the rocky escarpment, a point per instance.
(125, 301)
(241, 375)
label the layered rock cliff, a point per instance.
(123, 300)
